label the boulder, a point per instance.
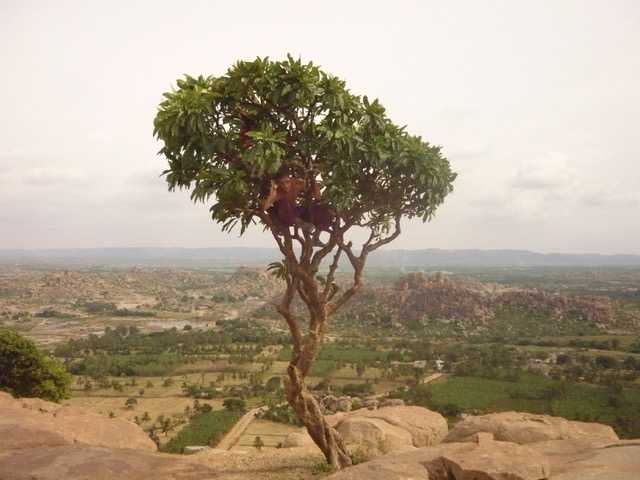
(587, 460)
(488, 460)
(614, 462)
(524, 428)
(391, 428)
(496, 461)
(374, 435)
(30, 423)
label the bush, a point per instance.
(26, 372)
(282, 414)
(450, 410)
(357, 389)
(234, 404)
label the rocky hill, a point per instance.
(475, 307)
(40, 440)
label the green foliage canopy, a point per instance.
(26, 372)
(229, 136)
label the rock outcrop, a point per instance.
(416, 296)
(45, 441)
(82, 462)
(488, 459)
(384, 430)
(523, 428)
(29, 423)
(485, 460)
(40, 440)
(525, 447)
(390, 429)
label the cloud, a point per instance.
(48, 176)
(610, 199)
(548, 172)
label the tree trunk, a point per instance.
(309, 411)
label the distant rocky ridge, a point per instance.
(234, 256)
(417, 296)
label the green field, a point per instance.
(202, 429)
(537, 394)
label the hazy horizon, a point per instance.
(535, 104)
(268, 247)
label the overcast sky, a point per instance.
(536, 103)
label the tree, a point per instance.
(27, 372)
(130, 403)
(258, 443)
(234, 404)
(231, 137)
(272, 384)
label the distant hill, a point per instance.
(444, 304)
(234, 256)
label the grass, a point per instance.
(531, 394)
(202, 429)
(341, 354)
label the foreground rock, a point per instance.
(391, 429)
(524, 428)
(30, 423)
(377, 432)
(75, 462)
(485, 460)
(581, 460)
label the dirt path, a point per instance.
(233, 435)
(432, 377)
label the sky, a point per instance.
(535, 103)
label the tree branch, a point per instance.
(284, 308)
(329, 286)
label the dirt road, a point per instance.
(431, 377)
(233, 435)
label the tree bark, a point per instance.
(310, 412)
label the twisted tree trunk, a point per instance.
(300, 274)
(310, 412)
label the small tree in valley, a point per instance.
(286, 146)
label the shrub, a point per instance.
(234, 404)
(27, 372)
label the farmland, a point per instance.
(165, 348)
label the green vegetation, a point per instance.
(344, 353)
(106, 308)
(140, 365)
(612, 405)
(281, 413)
(203, 429)
(357, 389)
(235, 404)
(27, 372)
(517, 322)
